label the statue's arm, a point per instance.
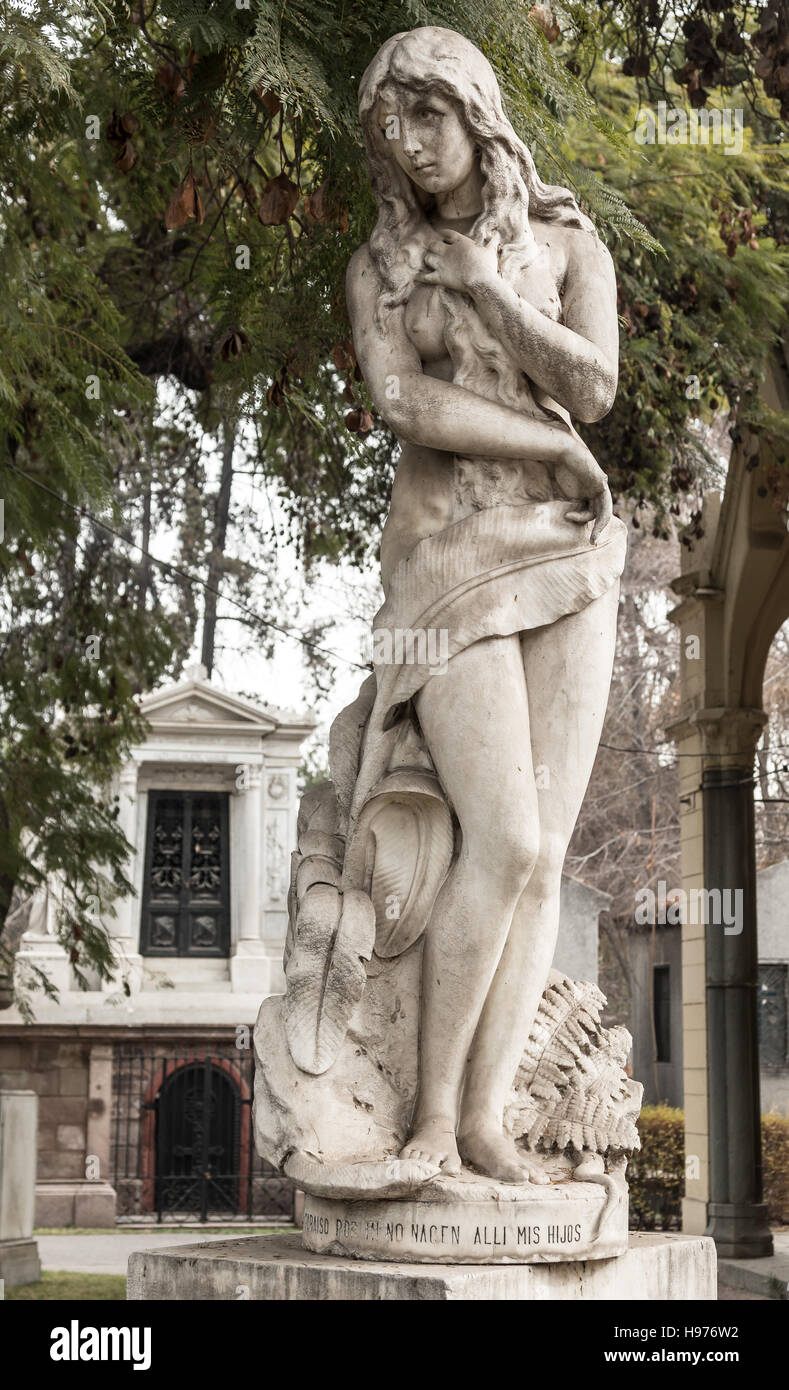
(576, 361)
(437, 414)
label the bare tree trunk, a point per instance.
(145, 563)
(218, 547)
(6, 877)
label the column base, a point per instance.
(250, 969)
(740, 1229)
(130, 968)
(75, 1202)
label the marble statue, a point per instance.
(425, 1056)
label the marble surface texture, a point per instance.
(423, 1038)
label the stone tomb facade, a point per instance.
(208, 803)
(236, 764)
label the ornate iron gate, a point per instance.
(186, 894)
(182, 1141)
(198, 1131)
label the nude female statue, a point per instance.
(484, 317)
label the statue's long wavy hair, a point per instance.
(442, 61)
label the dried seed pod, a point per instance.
(279, 199)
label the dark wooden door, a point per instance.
(186, 895)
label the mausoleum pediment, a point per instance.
(199, 710)
(194, 702)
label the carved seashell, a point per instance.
(401, 850)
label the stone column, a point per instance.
(19, 1263)
(694, 983)
(252, 842)
(279, 840)
(94, 1202)
(124, 927)
(248, 965)
(737, 1216)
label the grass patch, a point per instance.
(56, 1285)
(196, 1231)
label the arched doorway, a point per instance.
(198, 1140)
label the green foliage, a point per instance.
(656, 1173)
(68, 393)
(689, 348)
(144, 151)
(704, 45)
(66, 1286)
(77, 645)
(232, 101)
(775, 1162)
(234, 98)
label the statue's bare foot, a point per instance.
(490, 1151)
(433, 1141)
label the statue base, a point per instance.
(472, 1220)
(278, 1268)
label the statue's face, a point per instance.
(427, 138)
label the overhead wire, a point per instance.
(295, 634)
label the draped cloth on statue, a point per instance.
(499, 571)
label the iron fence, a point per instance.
(182, 1139)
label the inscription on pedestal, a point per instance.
(540, 1229)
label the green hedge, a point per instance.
(656, 1174)
(775, 1159)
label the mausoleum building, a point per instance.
(145, 1084)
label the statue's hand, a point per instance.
(579, 477)
(457, 262)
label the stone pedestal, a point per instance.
(19, 1263)
(472, 1220)
(278, 1268)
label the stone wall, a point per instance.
(90, 1139)
(73, 1080)
(662, 1080)
(58, 1072)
